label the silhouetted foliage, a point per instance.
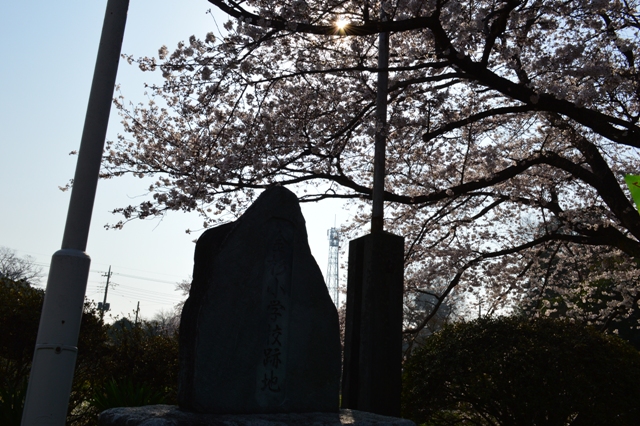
(145, 356)
(512, 371)
(90, 367)
(20, 306)
(126, 363)
(125, 394)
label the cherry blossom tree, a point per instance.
(510, 127)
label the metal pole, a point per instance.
(56, 345)
(377, 216)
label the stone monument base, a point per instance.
(171, 415)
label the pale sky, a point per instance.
(48, 53)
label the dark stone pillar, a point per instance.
(372, 369)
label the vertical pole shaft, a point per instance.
(377, 217)
(56, 349)
(106, 289)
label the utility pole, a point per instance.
(104, 306)
(54, 358)
(137, 312)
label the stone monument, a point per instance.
(259, 332)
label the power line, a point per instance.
(146, 279)
(151, 296)
(145, 291)
(148, 298)
(124, 292)
(95, 271)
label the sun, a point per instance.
(341, 24)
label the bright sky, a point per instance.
(48, 54)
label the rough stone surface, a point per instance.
(170, 415)
(259, 332)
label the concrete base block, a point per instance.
(171, 415)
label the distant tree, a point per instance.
(17, 268)
(165, 322)
(183, 287)
(512, 371)
(120, 325)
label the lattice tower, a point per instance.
(332, 267)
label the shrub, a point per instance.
(20, 306)
(513, 371)
(141, 363)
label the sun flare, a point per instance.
(341, 24)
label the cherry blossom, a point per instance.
(510, 127)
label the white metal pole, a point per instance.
(56, 345)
